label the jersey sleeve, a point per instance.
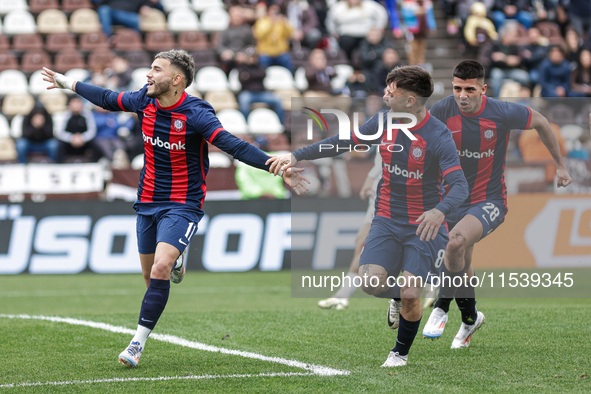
(518, 116)
(110, 100)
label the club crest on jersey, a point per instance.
(489, 134)
(178, 125)
(418, 153)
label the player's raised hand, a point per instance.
(281, 162)
(430, 223)
(57, 80)
(563, 178)
(294, 179)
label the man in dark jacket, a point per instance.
(75, 129)
(123, 12)
(555, 75)
(37, 135)
(236, 38)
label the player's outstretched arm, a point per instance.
(57, 80)
(542, 126)
(281, 162)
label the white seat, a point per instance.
(4, 127)
(138, 162)
(170, 5)
(278, 77)
(211, 78)
(300, 80)
(36, 83)
(214, 19)
(78, 74)
(219, 160)
(201, 5)
(16, 126)
(264, 121)
(19, 22)
(234, 81)
(138, 78)
(343, 71)
(233, 121)
(182, 19)
(13, 82)
(11, 5)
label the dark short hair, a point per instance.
(180, 59)
(413, 79)
(469, 69)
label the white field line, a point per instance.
(190, 377)
(315, 369)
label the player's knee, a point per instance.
(161, 269)
(373, 279)
(457, 243)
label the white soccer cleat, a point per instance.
(131, 356)
(462, 339)
(178, 272)
(334, 303)
(394, 313)
(395, 360)
(436, 324)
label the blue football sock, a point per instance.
(407, 331)
(154, 302)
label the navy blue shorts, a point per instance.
(490, 213)
(173, 226)
(396, 247)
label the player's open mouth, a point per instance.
(150, 83)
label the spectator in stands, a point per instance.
(512, 9)
(272, 33)
(555, 75)
(543, 10)
(119, 75)
(349, 21)
(108, 143)
(254, 184)
(251, 9)
(123, 12)
(534, 53)
(372, 48)
(390, 60)
(479, 28)
(419, 20)
(581, 76)
(251, 76)
(237, 37)
(579, 16)
(37, 135)
(573, 45)
(319, 74)
(304, 20)
(358, 84)
(506, 61)
(75, 130)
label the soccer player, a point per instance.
(406, 234)
(480, 127)
(176, 128)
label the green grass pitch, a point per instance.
(526, 345)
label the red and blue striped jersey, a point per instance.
(481, 141)
(175, 144)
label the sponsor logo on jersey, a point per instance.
(489, 134)
(163, 144)
(399, 171)
(178, 124)
(418, 153)
(476, 155)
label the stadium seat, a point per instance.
(233, 121)
(153, 20)
(67, 59)
(234, 81)
(137, 59)
(286, 95)
(127, 40)
(159, 41)
(7, 149)
(221, 100)
(91, 41)
(54, 101)
(4, 43)
(214, 19)
(36, 6)
(15, 104)
(170, 5)
(52, 21)
(16, 126)
(204, 58)
(138, 162)
(34, 60)
(193, 91)
(13, 81)
(211, 79)
(7, 6)
(25, 42)
(138, 78)
(102, 57)
(78, 74)
(8, 61)
(219, 160)
(36, 83)
(85, 20)
(4, 127)
(201, 5)
(73, 5)
(182, 19)
(301, 82)
(192, 40)
(19, 22)
(57, 42)
(264, 121)
(278, 77)
(343, 71)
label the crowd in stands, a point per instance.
(252, 53)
